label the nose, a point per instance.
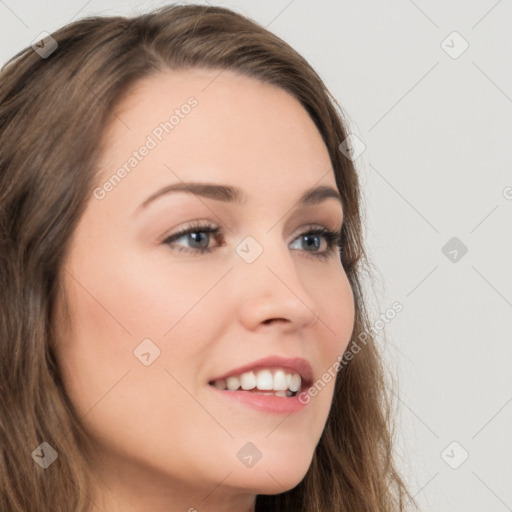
(273, 289)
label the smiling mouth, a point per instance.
(279, 382)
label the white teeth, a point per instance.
(248, 380)
(264, 380)
(280, 382)
(295, 383)
(233, 383)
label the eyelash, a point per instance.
(333, 238)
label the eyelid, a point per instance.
(210, 226)
(334, 239)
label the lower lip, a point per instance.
(264, 403)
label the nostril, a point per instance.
(266, 322)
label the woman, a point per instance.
(181, 261)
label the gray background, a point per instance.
(437, 127)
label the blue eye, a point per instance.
(199, 243)
(313, 238)
(198, 236)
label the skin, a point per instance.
(163, 439)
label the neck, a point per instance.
(124, 487)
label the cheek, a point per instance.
(336, 306)
(117, 307)
(112, 313)
(130, 298)
(336, 318)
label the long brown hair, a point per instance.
(53, 111)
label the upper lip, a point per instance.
(296, 364)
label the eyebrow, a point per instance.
(231, 194)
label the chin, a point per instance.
(279, 473)
(274, 483)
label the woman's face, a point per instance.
(155, 321)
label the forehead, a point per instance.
(214, 125)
